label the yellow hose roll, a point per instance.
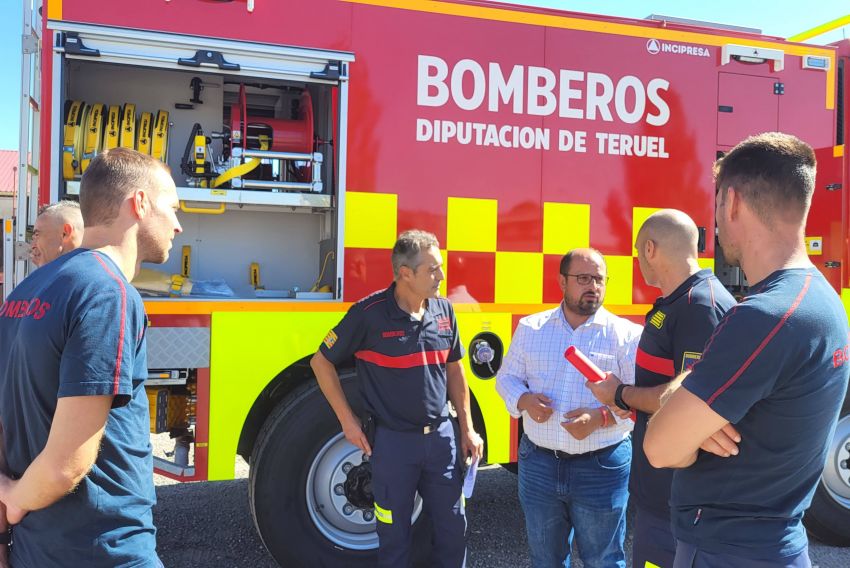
(241, 169)
(144, 131)
(127, 137)
(93, 136)
(72, 140)
(113, 128)
(159, 146)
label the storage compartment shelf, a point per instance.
(240, 196)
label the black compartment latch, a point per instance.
(205, 57)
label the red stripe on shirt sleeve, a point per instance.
(420, 359)
(655, 364)
(117, 376)
(764, 343)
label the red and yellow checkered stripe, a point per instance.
(371, 222)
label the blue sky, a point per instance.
(777, 17)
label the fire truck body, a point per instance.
(514, 134)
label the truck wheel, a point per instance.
(828, 518)
(309, 489)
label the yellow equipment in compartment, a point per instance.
(200, 156)
(90, 129)
(186, 262)
(93, 137)
(110, 137)
(159, 145)
(72, 141)
(168, 410)
(254, 275)
(143, 140)
(158, 403)
(127, 137)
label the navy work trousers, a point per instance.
(404, 463)
(653, 543)
(689, 556)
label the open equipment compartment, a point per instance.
(254, 135)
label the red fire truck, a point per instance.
(305, 135)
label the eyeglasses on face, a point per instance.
(585, 279)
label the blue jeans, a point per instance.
(585, 496)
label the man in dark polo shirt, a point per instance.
(408, 351)
(770, 369)
(676, 330)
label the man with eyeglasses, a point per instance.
(574, 455)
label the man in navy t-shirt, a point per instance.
(771, 369)
(77, 469)
(676, 331)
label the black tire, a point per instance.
(828, 518)
(294, 436)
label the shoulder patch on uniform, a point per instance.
(330, 339)
(657, 319)
(689, 359)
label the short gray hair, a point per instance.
(65, 211)
(408, 246)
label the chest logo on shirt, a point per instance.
(330, 339)
(393, 333)
(689, 359)
(657, 319)
(444, 323)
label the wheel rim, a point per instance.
(332, 514)
(836, 474)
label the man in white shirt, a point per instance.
(574, 456)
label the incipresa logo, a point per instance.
(653, 46)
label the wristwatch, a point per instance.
(618, 398)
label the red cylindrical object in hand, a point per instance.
(584, 365)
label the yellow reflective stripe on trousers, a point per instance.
(383, 515)
(650, 565)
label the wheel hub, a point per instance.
(358, 486)
(339, 495)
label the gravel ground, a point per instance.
(209, 524)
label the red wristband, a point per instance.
(604, 412)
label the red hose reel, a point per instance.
(286, 135)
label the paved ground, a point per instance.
(209, 524)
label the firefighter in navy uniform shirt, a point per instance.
(676, 330)
(75, 440)
(770, 369)
(408, 351)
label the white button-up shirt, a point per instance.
(535, 363)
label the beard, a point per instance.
(585, 305)
(730, 253)
(151, 249)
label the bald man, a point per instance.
(58, 229)
(677, 327)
